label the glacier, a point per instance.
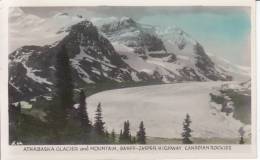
(163, 109)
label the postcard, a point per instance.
(128, 80)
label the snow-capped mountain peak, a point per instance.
(50, 29)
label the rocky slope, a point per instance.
(233, 99)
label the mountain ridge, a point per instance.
(99, 53)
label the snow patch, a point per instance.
(24, 104)
(30, 74)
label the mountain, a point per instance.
(181, 43)
(107, 50)
(191, 53)
(134, 35)
(93, 59)
(156, 49)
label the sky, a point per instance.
(223, 31)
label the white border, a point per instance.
(5, 149)
(130, 2)
(258, 73)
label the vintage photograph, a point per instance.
(129, 75)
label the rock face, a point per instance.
(30, 72)
(133, 35)
(120, 51)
